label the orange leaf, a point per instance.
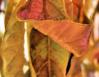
(70, 35)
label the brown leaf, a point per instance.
(48, 58)
(70, 35)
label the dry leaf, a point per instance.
(49, 9)
(81, 67)
(48, 58)
(70, 35)
(57, 33)
(12, 51)
(48, 41)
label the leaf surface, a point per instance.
(70, 35)
(41, 9)
(11, 49)
(48, 58)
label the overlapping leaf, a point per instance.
(51, 9)
(70, 35)
(12, 52)
(83, 66)
(48, 58)
(82, 32)
(11, 49)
